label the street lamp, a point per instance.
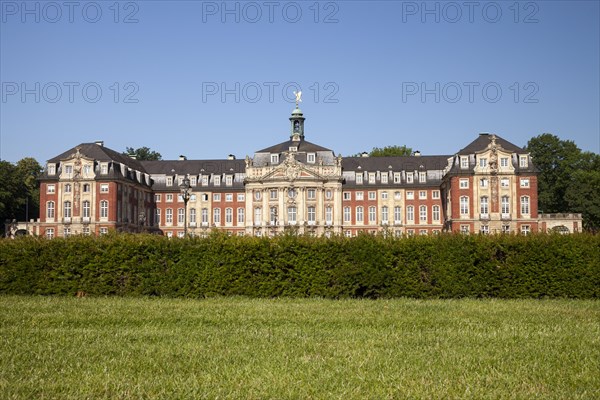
(185, 190)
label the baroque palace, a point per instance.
(490, 186)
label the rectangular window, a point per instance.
(193, 180)
(216, 196)
(228, 196)
(68, 188)
(384, 195)
(397, 196)
(423, 214)
(104, 231)
(310, 158)
(67, 209)
(504, 161)
(169, 216)
(372, 195)
(422, 177)
(273, 194)
(228, 180)
(157, 217)
(371, 177)
(217, 216)
(484, 230)
(524, 182)
(240, 216)
(359, 178)
(372, 215)
(435, 194)
(50, 233)
(169, 181)
(435, 214)
(505, 204)
(157, 198)
(484, 208)
(525, 205)
(292, 214)
(359, 195)
(180, 216)
(104, 188)
(359, 215)
(464, 162)
(409, 177)
(50, 210)
(274, 158)
(240, 197)
(347, 196)
(204, 180)
(384, 214)
(347, 215)
(104, 209)
(169, 198)
(86, 209)
(483, 162)
(483, 182)
(328, 215)
(397, 177)
(410, 195)
(422, 194)
(104, 168)
(311, 194)
(50, 189)
(229, 216)
(410, 213)
(397, 215)
(504, 182)
(464, 184)
(217, 180)
(258, 216)
(525, 229)
(523, 161)
(51, 169)
(464, 205)
(384, 177)
(312, 215)
(205, 216)
(68, 170)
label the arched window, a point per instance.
(50, 209)
(525, 205)
(104, 209)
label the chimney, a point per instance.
(182, 158)
(231, 157)
(99, 143)
(417, 153)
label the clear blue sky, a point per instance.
(370, 60)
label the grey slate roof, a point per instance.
(302, 145)
(100, 153)
(484, 139)
(406, 163)
(194, 167)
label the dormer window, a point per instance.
(504, 162)
(359, 178)
(422, 177)
(274, 158)
(371, 177)
(464, 162)
(293, 148)
(483, 162)
(523, 161)
(169, 181)
(229, 180)
(409, 177)
(51, 169)
(204, 180)
(69, 170)
(104, 168)
(217, 180)
(310, 158)
(193, 181)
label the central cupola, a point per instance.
(297, 121)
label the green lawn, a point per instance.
(123, 348)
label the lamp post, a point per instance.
(185, 190)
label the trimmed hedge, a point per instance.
(445, 266)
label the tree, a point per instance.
(143, 153)
(389, 151)
(568, 179)
(19, 190)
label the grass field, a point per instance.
(122, 348)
